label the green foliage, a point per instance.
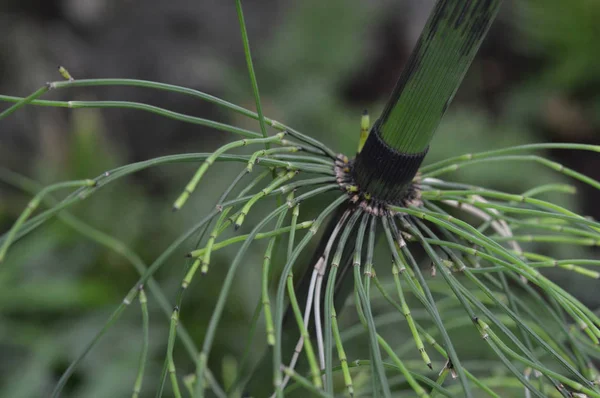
(490, 311)
(568, 36)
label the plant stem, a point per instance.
(434, 71)
(399, 140)
(261, 118)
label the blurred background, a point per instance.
(536, 79)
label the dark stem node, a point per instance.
(381, 174)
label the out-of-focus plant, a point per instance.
(566, 35)
(536, 337)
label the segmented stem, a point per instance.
(329, 306)
(137, 387)
(33, 205)
(409, 320)
(305, 337)
(279, 303)
(364, 310)
(191, 186)
(171, 343)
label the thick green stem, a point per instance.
(400, 138)
(434, 71)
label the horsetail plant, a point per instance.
(542, 340)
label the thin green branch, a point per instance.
(508, 159)
(305, 383)
(409, 319)
(191, 186)
(364, 309)
(33, 205)
(505, 151)
(159, 86)
(487, 332)
(329, 290)
(20, 102)
(202, 359)
(279, 302)
(308, 348)
(118, 247)
(424, 295)
(169, 365)
(430, 340)
(127, 301)
(378, 363)
(112, 175)
(266, 301)
(341, 353)
(492, 296)
(264, 192)
(137, 388)
(171, 362)
(247, 54)
(460, 290)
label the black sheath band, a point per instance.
(383, 172)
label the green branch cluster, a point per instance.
(539, 338)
